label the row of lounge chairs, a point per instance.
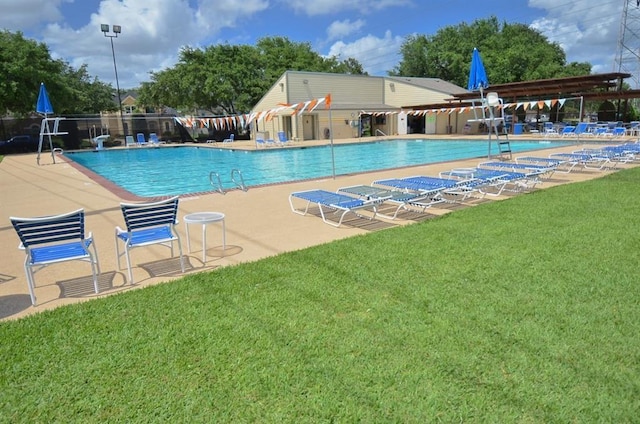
(269, 142)
(588, 129)
(491, 178)
(141, 141)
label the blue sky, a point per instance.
(153, 31)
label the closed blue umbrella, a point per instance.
(477, 74)
(44, 104)
(477, 81)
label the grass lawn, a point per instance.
(526, 310)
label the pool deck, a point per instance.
(259, 224)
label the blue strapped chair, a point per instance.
(327, 201)
(148, 224)
(53, 239)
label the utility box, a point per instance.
(518, 128)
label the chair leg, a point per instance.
(126, 253)
(30, 281)
(118, 253)
(181, 257)
(95, 267)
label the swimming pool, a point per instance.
(178, 170)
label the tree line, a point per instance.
(230, 79)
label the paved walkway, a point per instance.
(259, 224)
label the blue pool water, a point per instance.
(185, 169)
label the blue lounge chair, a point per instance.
(53, 239)
(443, 189)
(153, 139)
(584, 129)
(495, 180)
(231, 138)
(568, 131)
(560, 165)
(404, 200)
(148, 224)
(550, 130)
(142, 141)
(544, 171)
(282, 137)
(331, 201)
(587, 160)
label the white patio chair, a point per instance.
(53, 239)
(148, 224)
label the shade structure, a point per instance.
(477, 74)
(44, 104)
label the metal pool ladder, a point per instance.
(236, 178)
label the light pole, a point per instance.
(117, 29)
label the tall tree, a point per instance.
(510, 52)
(230, 79)
(25, 63)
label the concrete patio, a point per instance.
(259, 224)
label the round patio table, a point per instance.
(205, 218)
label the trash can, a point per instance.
(517, 128)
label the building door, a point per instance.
(286, 127)
(402, 123)
(308, 127)
(430, 123)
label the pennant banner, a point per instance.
(243, 120)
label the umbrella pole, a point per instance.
(333, 158)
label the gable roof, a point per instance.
(433, 84)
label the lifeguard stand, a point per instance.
(489, 105)
(46, 130)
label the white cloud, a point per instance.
(26, 14)
(377, 55)
(587, 30)
(339, 29)
(151, 38)
(325, 7)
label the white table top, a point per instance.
(203, 217)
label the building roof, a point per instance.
(586, 85)
(590, 87)
(433, 84)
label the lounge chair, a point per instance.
(497, 181)
(441, 189)
(141, 139)
(129, 141)
(585, 159)
(148, 224)
(282, 137)
(331, 201)
(603, 158)
(634, 129)
(153, 139)
(261, 143)
(54, 239)
(544, 171)
(568, 131)
(619, 132)
(584, 129)
(560, 165)
(231, 138)
(549, 130)
(404, 200)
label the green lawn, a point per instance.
(526, 310)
